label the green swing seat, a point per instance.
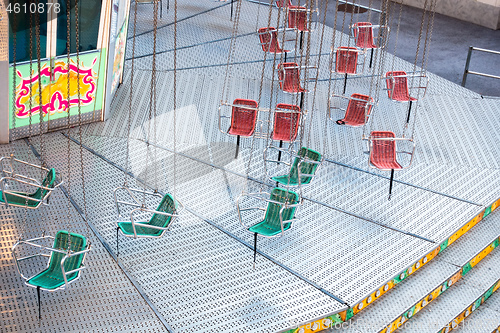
(52, 278)
(25, 198)
(306, 168)
(271, 225)
(167, 205)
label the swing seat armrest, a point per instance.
(82, 267)
(278, 162)
(239, 210)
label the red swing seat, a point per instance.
(297, 18)
(346, 60)
(355, 112)
(383, 152)
(269, 40)
(289, 78)
(397, 86)
(286, 123)
(363, 34)
(243, 119)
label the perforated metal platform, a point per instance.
(350, 241)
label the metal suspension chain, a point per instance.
(397, 34)
(30, 119)
(175, 99)
(422, 22)
(317, 72)
(82, 174)
(425, 56)
(129, 118)
(152, 103)
(14, 75)
(330, 71)
(230, 55)
(68, 59)
(380, 60)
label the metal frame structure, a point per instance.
(370, 140)
(408, 76)
(293, 155)
(142, 208)
(467, 64)
(12, 176)
(332, 105)
(281, 70)
(260, 196)
(375, 37)
(274, 33)
(67, 254)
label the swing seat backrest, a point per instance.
(297, 18)
(397, 86)
(383, 152)
(289, 77)
(39, 194)
(286, 122)
(283, 3)
(167, 205)
(271, 225)
(269, 40)
(305, 168)
(346, 60)
(47, 182)
(355, 113)
(52, 277)
(243, 119)
(363, 35)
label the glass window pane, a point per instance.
(19, 23)
(89, 13)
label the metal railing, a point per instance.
(467, 71)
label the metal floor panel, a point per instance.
(102, 300)
(485, 319)
(401, 300)
(465, 292)
(198, 277)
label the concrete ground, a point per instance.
(450, 42)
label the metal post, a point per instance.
(279, 151)
(345, 83)
(371, 59)
(467, 63)
(237, 147)
(409, 112)
(232, 9)
(301, 38)
(254, 248)
(117, 252)
(39, 303)
(390, 184)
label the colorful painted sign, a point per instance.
(119, 60)
(53, 99)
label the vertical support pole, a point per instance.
(161, 7)
(254, 248)
(232, 9)
(279, 151)
(371, 58)
(39, 303)
(467, 63)
(409, 112)
(390, 183)
(237, 147)
(285, 54)
(301, 39)
(345, 83)
(117, 252)
(301, 104)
